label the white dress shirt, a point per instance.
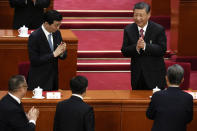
(77, 96)
(47, 34)
(144, 28)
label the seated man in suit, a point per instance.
(171, 109)
(74, 114)
(12, 115)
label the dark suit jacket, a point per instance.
(150, 62)
(28, 14)
(43, 70)
(74, 115)
(170, 109)
(12, 116)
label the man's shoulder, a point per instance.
(73, 102)
(8, 104)
(37, 32)
(155, 25)
(130, 26)
(187, 95)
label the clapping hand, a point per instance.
(33, 114)
(140, 44)
(60, 49)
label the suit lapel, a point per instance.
(55, 41)
(148, 32)
(45, 41)
(135, 33)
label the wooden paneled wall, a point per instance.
(6, 14)
(183, 27)
(160, 8)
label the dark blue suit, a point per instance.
(171, 110)
(12, 116)
(43, 70)
(74, 115)
(149, 63)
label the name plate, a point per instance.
(194, 94)
(53, 95)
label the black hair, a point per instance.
(78, 84)
(51, 16)
(142, 5)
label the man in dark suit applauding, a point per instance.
(145, 42)
(45, 46)
(12, 115)
(171, 109)
(74, 114)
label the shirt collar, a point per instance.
(15, 98)
(77, 96)
(45, 31)
(144, 28)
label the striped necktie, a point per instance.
(142, 33)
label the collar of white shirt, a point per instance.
(45, 31)
(77, 96)
(15, 98)
(144, 28)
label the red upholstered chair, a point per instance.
(23, 68)
(189, 59)
(187, 68)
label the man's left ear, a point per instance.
(182, 80)
(149, 14)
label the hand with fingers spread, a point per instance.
(60, 49)
(33, 114)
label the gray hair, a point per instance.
(15, 82)
(142, 5)
(175, 74)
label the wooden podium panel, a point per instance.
(13, 50)
(183, 27)
(115, 110)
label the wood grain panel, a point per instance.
(187, 27)
(115, 110)
(6, 15)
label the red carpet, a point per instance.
(94, 40)
(107, 81)
(104, 43)
(94, 4)
(119, 81)
(96, 13)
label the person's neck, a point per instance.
(16, 95)
(173, 85)
(44, 25)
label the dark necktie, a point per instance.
(50, 42)
(142, 33)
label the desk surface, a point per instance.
(115, 110)
(97, 96)
(9, 36)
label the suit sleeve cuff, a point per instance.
(144, 47)
(32, 121)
